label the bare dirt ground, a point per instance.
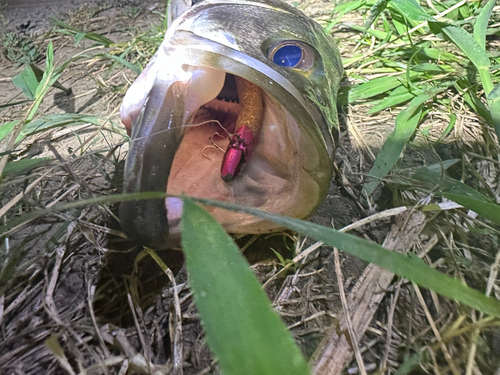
(80, 297)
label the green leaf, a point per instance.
(23, 166)
(79, 35)
(44, 85)
(26, 81)
(375, 11)
(6, 128)
(242, 330)
(410, 267)
(430, 68)
(58, 120)
(449, 128)
(29, 79)
(469, 94)
(341, 10)
(412, 10)
(135, 68)
(379, 34)
(481, 24)
(465, 11)
(12, 104)
(406, 123)
(465, 42)
(91, 36)
(410, 364)
(457, 192)
(439, 55)
(49, 59)
(397, 96)
(400, 23)
(373, 87)
(476, 54)
(99, 38)
(447, 164)
(494, 104)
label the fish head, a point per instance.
(224, 65)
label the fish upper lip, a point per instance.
(258, 71)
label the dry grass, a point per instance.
(76, 297)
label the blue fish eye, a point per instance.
(288, 55)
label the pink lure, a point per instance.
(239, 150)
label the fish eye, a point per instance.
(288, 55)
(291, 54)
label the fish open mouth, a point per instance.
(272, 171)
(239, 144)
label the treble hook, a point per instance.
(213, 145)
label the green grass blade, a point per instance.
(49, 67)
(45, 82)
(379, 34)
(26, 81)
(412, 10)
(397, 96)
(241, 328)
(449, 128)
(341, 10)
(408, 267)
(372, 88)
(6, 128)
(494, 104)
(466, 42)
(375, 11)
(99, 39)
(465, 11)
(406, 123)
(410, 364)
(79, 35)
(29, 79)
(23, 166)
(430, 68)
(481, 24)
(440, 55)
(469, 94)
(135, 68)
(457, 192)
(12, 104)
(58, 120)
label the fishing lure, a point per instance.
(242, 142)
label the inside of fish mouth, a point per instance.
(208, 133)
(221, 113)
(276, 178)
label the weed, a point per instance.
(19, 49)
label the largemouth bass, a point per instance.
(238, 105)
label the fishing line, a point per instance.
(187, 126)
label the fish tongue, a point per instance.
(156, 136)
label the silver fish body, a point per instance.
(185, 104)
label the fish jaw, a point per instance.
(287, 169)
